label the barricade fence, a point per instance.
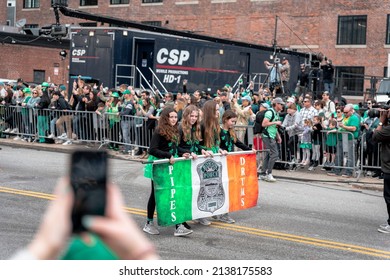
(335, 151)
(67, 126)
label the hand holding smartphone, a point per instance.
(88, 178)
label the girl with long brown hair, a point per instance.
(164, 144)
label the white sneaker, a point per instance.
(182, 231)
(15, 130)
(51, 136)
(262, 176)
(8, 130)
(270, 178)
(225, 218)
(67, 143)
(17, 138)
(151, 229)
(203, 221)
(62, 136)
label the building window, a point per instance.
(88, 2)
(30, 4)
(152, 1)
(152, 23)
(39, 76)
(350, 80)
(388, 30)
(352, 30)
(117, 2)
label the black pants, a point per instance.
(151, 204)
(386, 193)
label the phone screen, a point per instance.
(88, 177)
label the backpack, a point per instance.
(259, 128)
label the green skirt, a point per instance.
(305, 145)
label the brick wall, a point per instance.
(301, 22)
(21, 61)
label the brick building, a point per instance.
(354, 34)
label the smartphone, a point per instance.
(88, 178)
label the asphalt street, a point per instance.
(293, 220)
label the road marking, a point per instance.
(237, 228)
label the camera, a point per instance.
(277, 60)
(376, 111)
(88, 178)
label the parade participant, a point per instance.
(190, 137)
(228, 136)
(211, 139)
(164, 144)
(210, 127)
(382, 135)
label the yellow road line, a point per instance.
(243, 229)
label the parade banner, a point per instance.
(192, 189)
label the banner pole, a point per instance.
(161, 161)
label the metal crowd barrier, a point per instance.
(67, 126)
(370, 156)
(345, 152)
(130, 132)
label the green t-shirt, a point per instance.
(272, 129)
(353, 120)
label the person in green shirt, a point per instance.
(350, 125)
(271, 138)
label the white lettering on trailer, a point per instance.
(78, 52)
(173, 57)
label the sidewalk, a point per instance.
(316, 176)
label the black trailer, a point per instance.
(147, 59)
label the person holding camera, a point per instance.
(382, 135)
(327, 76)
(119, 232)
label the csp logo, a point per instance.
(173, 57)
(78, 52)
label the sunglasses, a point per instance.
(306, 101)
(338, 111)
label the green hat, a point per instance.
(45, 85)
(126, 92)
(115, 94)
(27, 90)
(245, 93)
(356, 107)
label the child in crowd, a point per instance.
(306, 144)
(317, 141)
(331, 143)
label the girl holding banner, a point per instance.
(190, 137)
(228, 136)
(211, 140)
(164, 145)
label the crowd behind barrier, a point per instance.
(131, 133)
(313, 129)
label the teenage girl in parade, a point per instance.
(228, 141)
(211, 140)
(164, 145)
(228, 136)
(190, 137)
